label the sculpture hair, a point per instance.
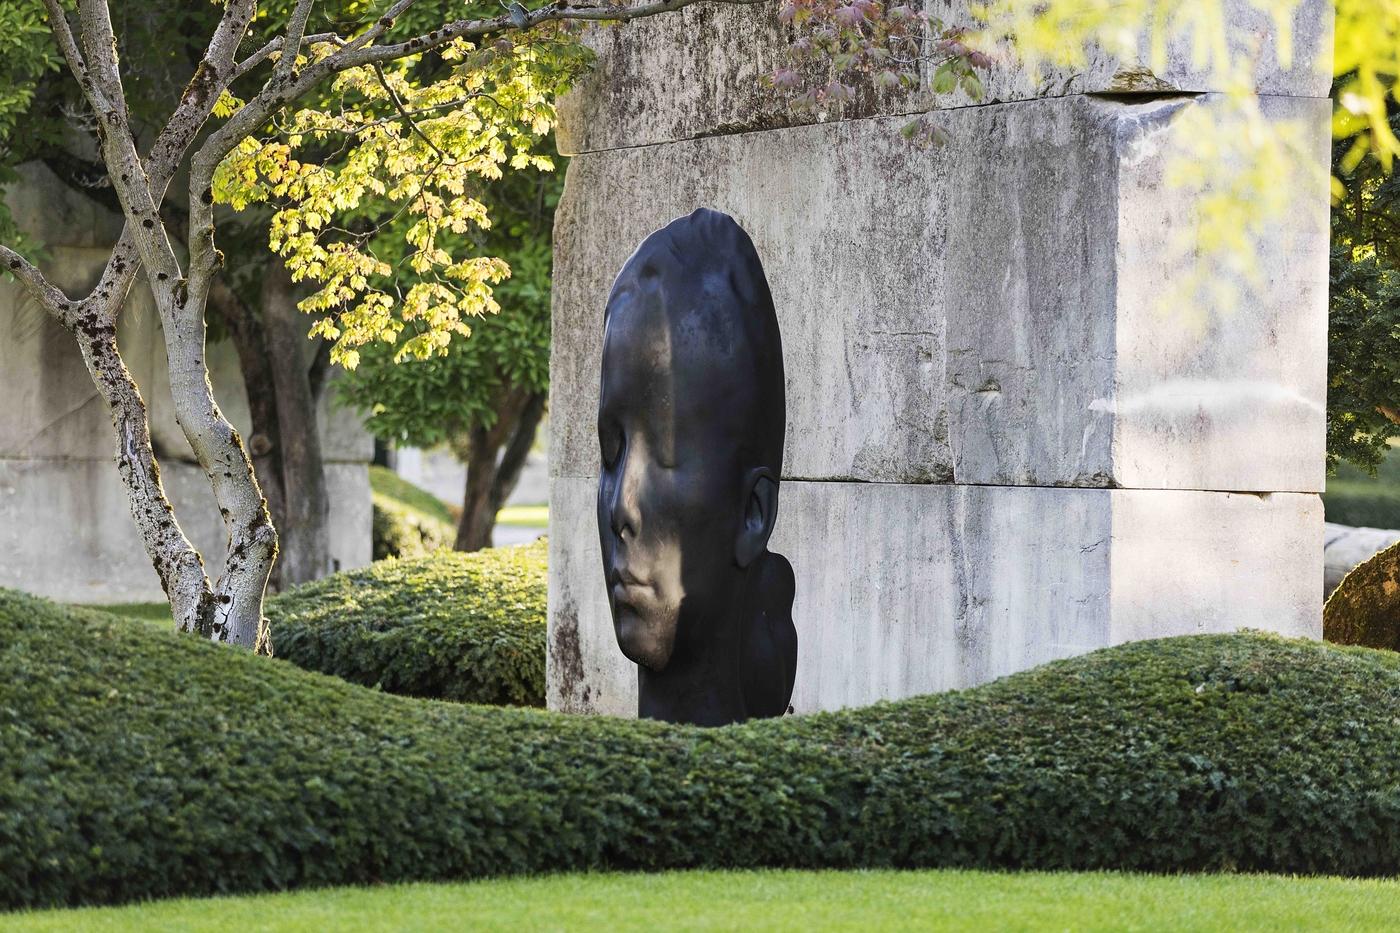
(703, 266)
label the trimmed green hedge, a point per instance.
(451, 626)
(136, 764)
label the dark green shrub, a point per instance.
(138, 764)
(452, 626)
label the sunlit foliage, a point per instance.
(416, 149)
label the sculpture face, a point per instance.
(669, 506)
(690, 432)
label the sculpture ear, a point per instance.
(760, 515)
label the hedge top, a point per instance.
(453, 626)
(136, 764)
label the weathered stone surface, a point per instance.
(697, 73)
(952, 586)
(1185, 563)
(950, 315)
(45, 207)
(1230, 397)
(1060, 448)
(1075, 355)
(585, 671)
(347, 484)
(66, 530)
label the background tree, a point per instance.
(486, 395)
(1363, 348)
(490, 109)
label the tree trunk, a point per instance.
(305, 526)
(493, 473)
(176, 562)
(265, 445)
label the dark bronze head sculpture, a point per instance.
(690, 424)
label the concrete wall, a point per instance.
(1002, 448)
(65, 526)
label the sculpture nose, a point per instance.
(624, 515)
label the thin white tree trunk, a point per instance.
(175, 559)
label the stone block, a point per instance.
(1345, 547)
(351, 519)
(1075, 358)
(698, 73)
(912, 589)
(55, 214)
(66, 530)
(993, 311)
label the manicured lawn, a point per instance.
(387, 483)
(527, 516)
(781, 901)
(142, 612)
(1355, 498)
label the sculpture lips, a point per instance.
(625, 587)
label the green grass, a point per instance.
(387, 483)
(798, 901)
(154, 613)
(527, 516)
(1355, 498)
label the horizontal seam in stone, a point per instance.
(1114, 97)
(847, 481)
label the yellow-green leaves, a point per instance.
(1367, 55)
(385, 146)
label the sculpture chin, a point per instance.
(648, 642)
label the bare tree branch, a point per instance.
(63, 36)
(398, 105)
(380, 26)
(517, 19)
(296, 28)
(275, 45)
(99, 43)
(49, 296)
(174, 140)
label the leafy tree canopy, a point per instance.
(375, 187)
(1363, 349)
(424, 402)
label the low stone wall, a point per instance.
(65, 527)
(1002, 448)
